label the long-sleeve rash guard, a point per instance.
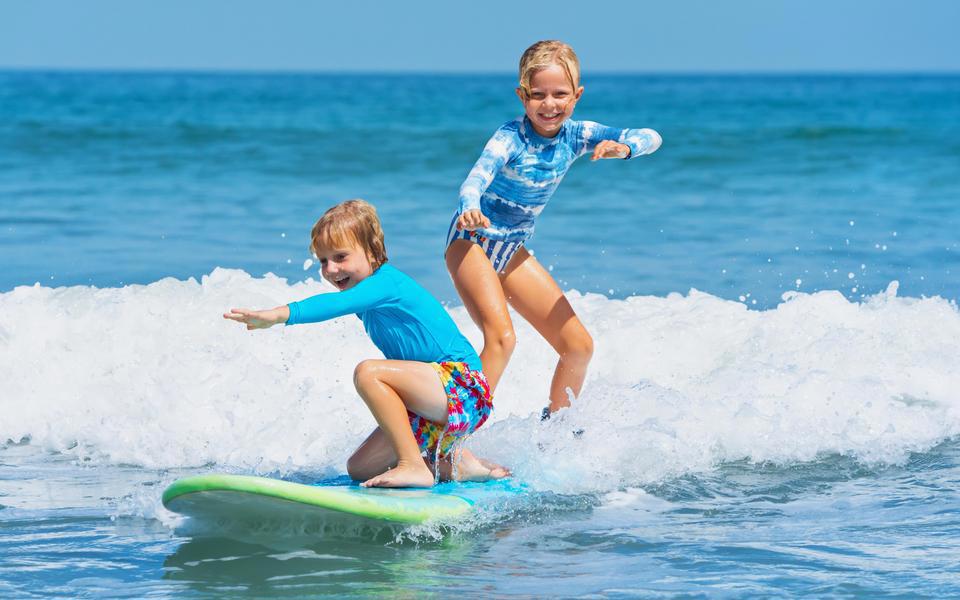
(404, 321)
(519, 170)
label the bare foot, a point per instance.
(471, 468)
(403, 475)
(496, 471)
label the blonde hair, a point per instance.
(351, 222)
(544, 54)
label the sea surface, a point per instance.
(773, 409)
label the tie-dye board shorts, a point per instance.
(468, 406)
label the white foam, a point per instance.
(152, 375)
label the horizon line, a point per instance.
(482, 73)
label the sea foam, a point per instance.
(154, 376)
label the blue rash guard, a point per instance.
(404, 321)
(519, 170)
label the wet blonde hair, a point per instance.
(544, 54)
(348, 223)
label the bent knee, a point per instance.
(366, 371)
(503, 338)
(578, 346)
(358, 470)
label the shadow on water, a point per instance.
(330, 559)
(251, 569)
(296, 567)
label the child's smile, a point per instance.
(344, 267)
(550, 100)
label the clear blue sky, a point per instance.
(457, 35)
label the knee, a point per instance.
(365, 372)
(577, 347)
(502, 337)
(356, 469)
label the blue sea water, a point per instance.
(772, 410)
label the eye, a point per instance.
(323, 262)
(340, 257)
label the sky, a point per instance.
(481, 36)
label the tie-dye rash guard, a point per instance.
(519, 170)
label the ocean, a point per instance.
(772, 409)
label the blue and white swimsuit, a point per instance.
(518, 172)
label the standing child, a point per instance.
(429, 392)
(517, 173)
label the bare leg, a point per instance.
(533, 293)
(373, 457)
(390, 388)
(481, 292)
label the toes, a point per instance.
(499, 473)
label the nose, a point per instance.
(553, 105)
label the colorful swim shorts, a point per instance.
(498, 251)
(468, 406)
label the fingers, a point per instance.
(242, 315)
(597, 151)
(602, 150)
(472, 219)
(235, 314)
(609, 149)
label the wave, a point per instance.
(153, 376)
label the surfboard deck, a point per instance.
(217, 496)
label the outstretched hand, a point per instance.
(258, 319)
(610, 149)
(472, 219)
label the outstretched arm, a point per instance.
(371, 292)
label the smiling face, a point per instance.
(550, 99)
(348, 242)
(345, 265)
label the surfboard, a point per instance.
(218, 496)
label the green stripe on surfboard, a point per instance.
(205, 495)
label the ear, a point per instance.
(577, 94)
(521, 94)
